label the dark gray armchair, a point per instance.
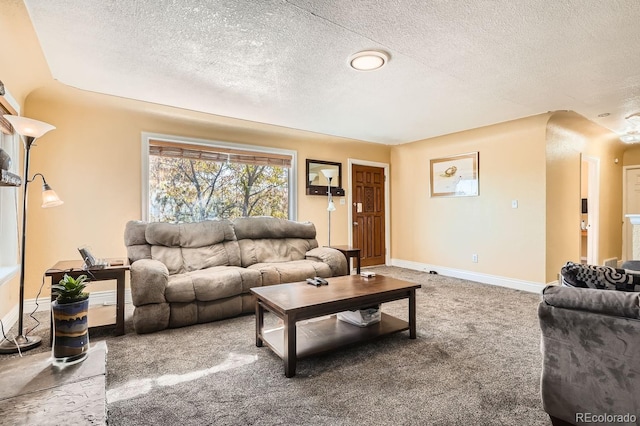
(591, 355)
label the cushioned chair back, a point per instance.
(135, 241)
(268, 239)
(186, 247)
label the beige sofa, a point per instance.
(189, 273)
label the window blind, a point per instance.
(218, 154)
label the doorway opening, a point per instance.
(590, 209)
(630, 205)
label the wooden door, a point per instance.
(368, 213)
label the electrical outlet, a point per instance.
(474, 258)
(514, 204)
(342, 201)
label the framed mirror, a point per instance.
(318, 173)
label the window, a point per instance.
(194, 180)
(8, 205)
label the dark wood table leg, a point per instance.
(120, 305)
(259, 323)
(289, 346)
(358, 263)
(412, 314)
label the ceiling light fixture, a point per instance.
(630, 137)
(634, 118)
(368, 60)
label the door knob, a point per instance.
(355, 223)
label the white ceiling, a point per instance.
(454, 65)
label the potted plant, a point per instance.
(71, 327)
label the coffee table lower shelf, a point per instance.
(317, 336)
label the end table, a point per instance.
(350, 252)
(115, 271)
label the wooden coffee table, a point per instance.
(300, 301)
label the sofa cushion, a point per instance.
(196, 234)
(187, 247)
(259, 227)
(211, 284)
(289, 272)
(599, 277)
(589, 300)
(183, 314)
(134, 239)
(274, 250)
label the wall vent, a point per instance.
(612, 262)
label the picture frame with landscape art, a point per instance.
(455, 176)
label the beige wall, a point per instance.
(22, 68)
(569, 137)
(93, 161)
(447, 231)
(22, 64)
(534, 160)
(631, 156)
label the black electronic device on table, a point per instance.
(317, 281)
(90, 262)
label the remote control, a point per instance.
(313, 282)
(321, 280)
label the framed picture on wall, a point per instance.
(455, 176)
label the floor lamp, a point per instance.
(329, 174)
(30, 130)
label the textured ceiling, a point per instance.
(454, 65)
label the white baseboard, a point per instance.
(10, 319)
(516, 284)
(44, 304)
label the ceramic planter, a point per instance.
(71, 332)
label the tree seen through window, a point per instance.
(190, 190)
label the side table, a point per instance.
(115, 271)
(350, 252)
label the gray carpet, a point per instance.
(476, 361)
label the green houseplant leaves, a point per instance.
(70, 289)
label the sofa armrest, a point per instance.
(590, 352)
(332, 257)
(606, 302)
(149, 279)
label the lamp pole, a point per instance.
(329, 174)
(29, 130)
(21, 342)
(24, 342)
(329, 211)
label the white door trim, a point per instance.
(625, 241)
(593, 217)
(387, 204)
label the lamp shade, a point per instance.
(331, 207)
(329, 173)
(28, 127)
(49, 197)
